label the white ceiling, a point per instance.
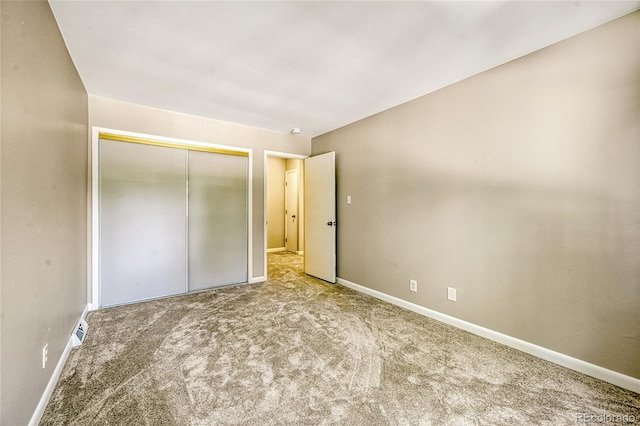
(313, 65)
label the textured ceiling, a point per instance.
(313, 65)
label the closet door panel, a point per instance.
(142, 222)
(218, 235)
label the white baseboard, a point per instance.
(610, 376)
(48, 391)
(300, 252)
(255, 280)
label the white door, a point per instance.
(291, 210)
(320, 217)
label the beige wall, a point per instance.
(520, 188)
(44, 203)
(118, 115)
(275, 202)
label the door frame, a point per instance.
(93, 234)
(265, 187)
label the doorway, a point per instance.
(284, 204)
(317, 176)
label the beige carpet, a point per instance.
(298, 351)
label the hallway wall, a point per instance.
(275, 202)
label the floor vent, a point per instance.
(79, 332)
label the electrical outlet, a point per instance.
(451, 294)
(45, 355)
(413, 285)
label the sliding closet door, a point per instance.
(218, 210)
(142, 221)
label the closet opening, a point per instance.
(170, 217)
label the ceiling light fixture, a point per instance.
(296, 131)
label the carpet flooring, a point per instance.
(298, 351)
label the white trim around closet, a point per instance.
(93, 290)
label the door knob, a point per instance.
(293, 216)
